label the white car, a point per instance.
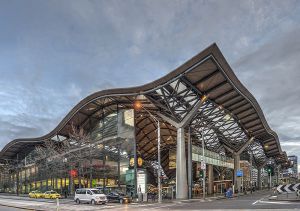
(89, 195)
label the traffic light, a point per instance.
(270, 170)
(201, 173)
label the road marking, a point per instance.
(259, 200)
(152, 208)
(277, 202)
(272, 202)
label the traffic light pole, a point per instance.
(270, 181)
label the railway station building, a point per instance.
(138, 138)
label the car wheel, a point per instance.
(77, 201)
(121, 201)
(93, 202)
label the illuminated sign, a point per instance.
(140, 162)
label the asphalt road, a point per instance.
(256, 201)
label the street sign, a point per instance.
(288, 188)
(203, 165)
(239, 173)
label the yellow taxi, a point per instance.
(36, 194)
(51, 195)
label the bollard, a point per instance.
(57, 204)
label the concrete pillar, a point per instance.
(237, 181)
(210, 179)
(181, 177)
(190, 167)
(259, 178)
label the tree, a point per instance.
(76, 150)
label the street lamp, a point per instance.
(204, 165)
(138, 105)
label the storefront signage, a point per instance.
(141, 181)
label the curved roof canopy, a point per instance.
(229, 115)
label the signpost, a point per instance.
(203, 165)
(239, 173)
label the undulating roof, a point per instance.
(230, 115)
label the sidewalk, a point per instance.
(23, 202)
(199, 199)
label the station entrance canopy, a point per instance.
(227, 114)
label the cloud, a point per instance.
(274, 82)
(54, 53)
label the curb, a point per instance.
(24, 208)
(290, 200)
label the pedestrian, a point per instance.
(229, 192)
(225, 192)
(153, 196)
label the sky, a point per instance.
(54, 53)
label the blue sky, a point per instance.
(54, 53)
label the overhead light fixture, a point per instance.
(227, 117)
(137, 105)
(203, 98)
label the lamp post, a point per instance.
(138, 105)
(204, 170)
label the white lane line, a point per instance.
(272, 202)
(278, 202)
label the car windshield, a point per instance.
(96, 191)
(120, 193)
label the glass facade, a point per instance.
(211, 157)
(103, 161)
